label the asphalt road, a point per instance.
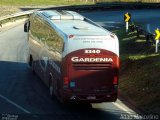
(24, 94)
(147, 18)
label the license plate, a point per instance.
(91, 97)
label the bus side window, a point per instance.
(59, 44)
(50, 41)
(36, 29)
(39, 30)
(54, 41)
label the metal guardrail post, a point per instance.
(147, 38)
(138, 32)
(150, 38)
(132, 28)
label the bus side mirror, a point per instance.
(26, 27)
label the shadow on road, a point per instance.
(18, 84)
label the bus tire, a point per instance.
(30, 60)
(31, 64)
(32, 67)
(55, 87)
(51, 86)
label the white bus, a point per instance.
(76, 58)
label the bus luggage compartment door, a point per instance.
(92, 77)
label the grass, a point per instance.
(13, 6)
(140, 71)
(43, 2)
(62, 2)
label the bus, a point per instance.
(75, 57)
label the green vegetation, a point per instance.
(63, 2)
(140, 71)
(45, 2)
(13, 6)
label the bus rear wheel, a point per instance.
(51, 90)
(52, 87)
(31, 64)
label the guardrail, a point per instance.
(15, 15)
(11, 16)
(140, 31)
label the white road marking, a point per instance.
(119, 105)
(110, 26)
(14, 104)
(113, 22)
(123, 107)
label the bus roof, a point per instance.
(72, 23)
(78, 27)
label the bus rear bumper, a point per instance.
(88, 98)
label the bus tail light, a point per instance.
(115, 80)
(118, 62)
(66, 81)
